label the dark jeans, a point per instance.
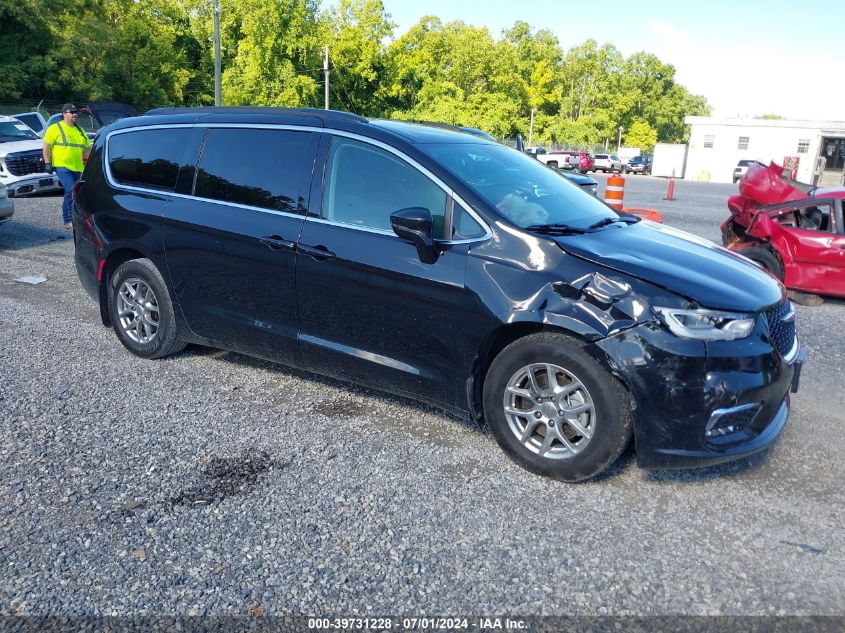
(68, 179)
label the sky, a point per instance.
(747, 57)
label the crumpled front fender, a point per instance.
(593, 306)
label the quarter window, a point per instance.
(742, 143)
(709, 139)
(254, 167)
(464, 226)
(148, 158)
(365, 185)
(803, 145)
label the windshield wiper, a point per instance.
(627, 219)
(556, 229)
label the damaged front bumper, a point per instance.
(701, 403)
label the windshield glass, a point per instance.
(11, 131)
(524, 191)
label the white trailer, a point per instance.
(670, 159)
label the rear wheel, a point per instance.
(141, 310)
(554, 410)
(766, 259)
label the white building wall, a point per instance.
(768, 140)
(765, 144)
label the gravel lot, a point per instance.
(212, 483)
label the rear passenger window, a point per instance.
(254, 167)
(148, 158)
(365, 185)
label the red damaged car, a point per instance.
(793, 230)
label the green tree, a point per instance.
(26, 42)
(355, 31)
(268, 46)
(641, 135)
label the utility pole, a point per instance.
(217, 88)
(326, 71)
(619, 141)
(531, 127)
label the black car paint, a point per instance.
(372, 313)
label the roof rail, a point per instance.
(445, 126)
(314, 112)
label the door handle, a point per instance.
(277, 243)
(319, 253)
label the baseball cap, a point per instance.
(69, 107)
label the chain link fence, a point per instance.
(46, 108)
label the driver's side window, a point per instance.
(365, 185)
(815, 217)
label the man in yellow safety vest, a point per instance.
(65, 144)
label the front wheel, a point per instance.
(554, 410)
(766, 259)
(141, 310)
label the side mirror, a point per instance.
(415, 224)
(520, 146)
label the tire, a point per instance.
(148, 325)
(606, 427)
(552, 164)
(766, 259)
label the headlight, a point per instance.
(706, 325)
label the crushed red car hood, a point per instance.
(761, 186)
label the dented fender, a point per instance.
(594, 306)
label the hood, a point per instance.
(762, 186)
(685, 264)
(579, 179)
(106, 112)
(20, 146)
(768, 185)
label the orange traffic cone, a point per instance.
(615, 191)
(670, 194)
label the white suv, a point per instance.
(21, 160)
(741, 168)
(607, 163)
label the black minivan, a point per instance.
(440, 266)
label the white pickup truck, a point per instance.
(552, 159)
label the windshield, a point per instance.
(110, 116)
(11, 131)
(524, 191)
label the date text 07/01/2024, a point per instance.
(416, 623)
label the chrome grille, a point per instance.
(781, 321)
(23, 163)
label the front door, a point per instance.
(370, 310)
(836, 270)
(230, 245)
(806, 236)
